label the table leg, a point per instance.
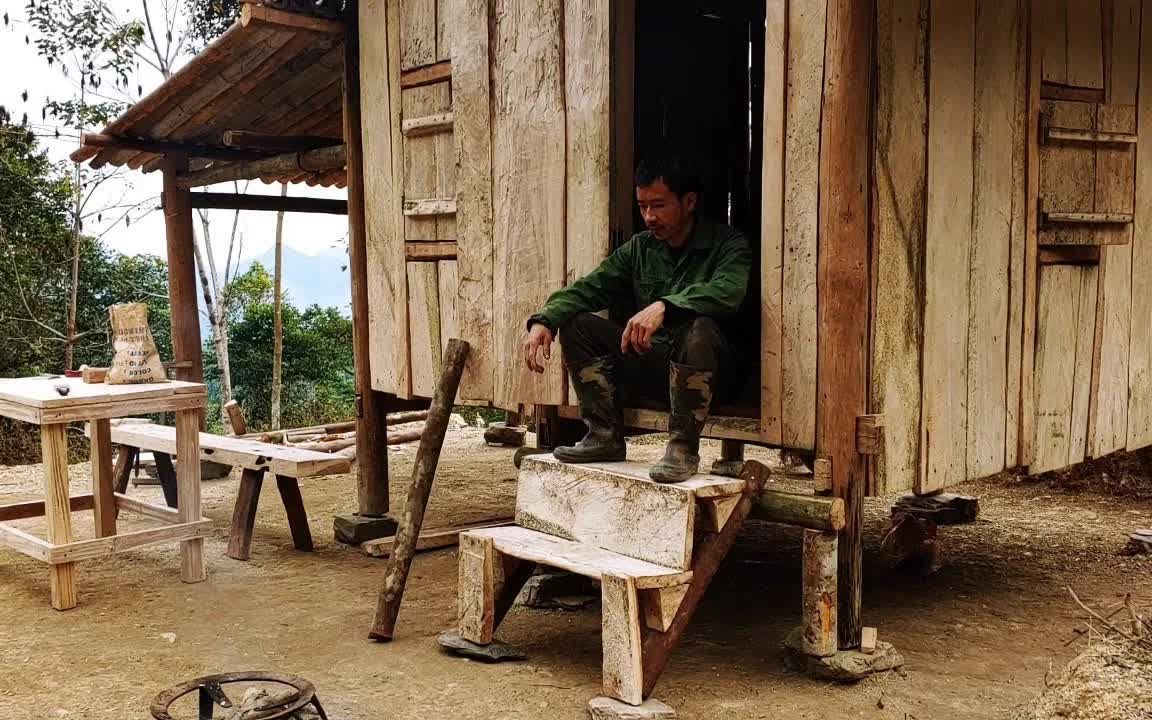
(188, 490)
(61, 576)
(103, 482)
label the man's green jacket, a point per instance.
(707, 276)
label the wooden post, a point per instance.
(61, 576)
(423, 472)
(819, 594)
(371, 409)
(188, 489)
(182, 293)
(842, 278)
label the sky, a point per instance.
(315, 252)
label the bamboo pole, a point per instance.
(423, 473)
(319, 160)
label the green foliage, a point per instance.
(208, 19)
(318, 382)
(86, 38)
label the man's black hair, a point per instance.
(676, 170)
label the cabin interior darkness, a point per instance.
(699, 86)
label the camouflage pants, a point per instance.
(643, 378)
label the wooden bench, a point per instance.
(256, 458)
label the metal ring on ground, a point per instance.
(210, 690)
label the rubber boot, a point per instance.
(596, 392)
(690, 396)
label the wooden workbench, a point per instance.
(37, 400)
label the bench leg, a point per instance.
(289, 488)
(244, 514)
(167, 479)
(61, 576)
(125, 461)
(621, 639)
(103, 479)
(487, 586)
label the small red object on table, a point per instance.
(37, 400)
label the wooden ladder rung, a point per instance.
(1085, 218)
(429, 207)
(1058, 134)
(428, 125)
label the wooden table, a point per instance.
(36, 400)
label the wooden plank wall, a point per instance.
(948, 173)
(1139, 432)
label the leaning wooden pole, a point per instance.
(186, 345)
(423, 472)
(372, 428)
(842, 277)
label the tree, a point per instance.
(208, 19)
(91, 45)
(277, 316)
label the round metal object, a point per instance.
(211, 693)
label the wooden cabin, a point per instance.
(952, 215)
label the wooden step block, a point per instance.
(616, 507)
(579, 558)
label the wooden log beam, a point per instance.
(186, 345)
(266, 143)
(825, 514)
(843, 279)
(268, 203)
(160, 147)
(423, 472)
(371, 406)
(320, 160)
(250, 14)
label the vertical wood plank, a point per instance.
(447, 274)
(772, 221)
(1124, 53)
(424, 326)
(1031, 274)
(807, 20)
(188, 491)
(57, 516)
(898, 217)
(383, 191)
(1052, 39)
(1115, 186)
(948, 245)
(103, 482)
(445, 23)
(587, 75)
(420, 159)
(528, 170)
(445, 150)
(1085, 50)
(620, 635)
(1019, 242)
(1056, 332)
(993, 154)
(1140, 351)
(1082, 365)
(472, 135)
(417, 33)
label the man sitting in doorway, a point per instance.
(679, 285)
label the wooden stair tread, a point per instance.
(580, 558)
(702, 485)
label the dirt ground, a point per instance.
(979, 637)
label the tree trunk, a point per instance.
(74, 289)
(277, 319)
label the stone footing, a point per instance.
(353, 529)
(845, 665)
(558, 591)
(498, 433)
(494, 652)
(605, 708)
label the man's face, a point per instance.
(667, 216)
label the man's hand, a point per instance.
(640, 329)
(539, 341)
